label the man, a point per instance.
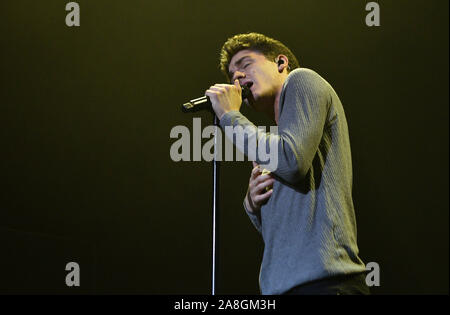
(303, 208)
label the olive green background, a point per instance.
(86, 114)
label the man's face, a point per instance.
(255, 70)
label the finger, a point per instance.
(267, 194)
(261, 198)
(262, 178)
(228, 86)
(237, 85)
(254, 164)
(262, 186)
(253, 177)
(255, 172)
(217, 88)
(256, 190)
(211, 93)
(223, 85)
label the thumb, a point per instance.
(237, 85)
(254, 164)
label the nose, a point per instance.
(238, 75)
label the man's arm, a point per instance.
(304, 107)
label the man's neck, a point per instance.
(276, 105)
(273, 111)
(275, 108)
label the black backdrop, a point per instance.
(86, 114)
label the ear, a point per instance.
(282, 63)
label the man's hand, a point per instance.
(225, 98)
(259, 189)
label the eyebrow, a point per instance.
(237, 64)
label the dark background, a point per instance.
(86, 114)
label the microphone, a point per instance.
(204, 102)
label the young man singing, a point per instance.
(303, 208)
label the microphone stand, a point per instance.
(215, 208)
(194, 105)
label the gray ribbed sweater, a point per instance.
(308, 224)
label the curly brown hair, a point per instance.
(263, 44)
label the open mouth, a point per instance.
(247, 86)
(247, 92)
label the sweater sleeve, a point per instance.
(255, 218)
(304, 104)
